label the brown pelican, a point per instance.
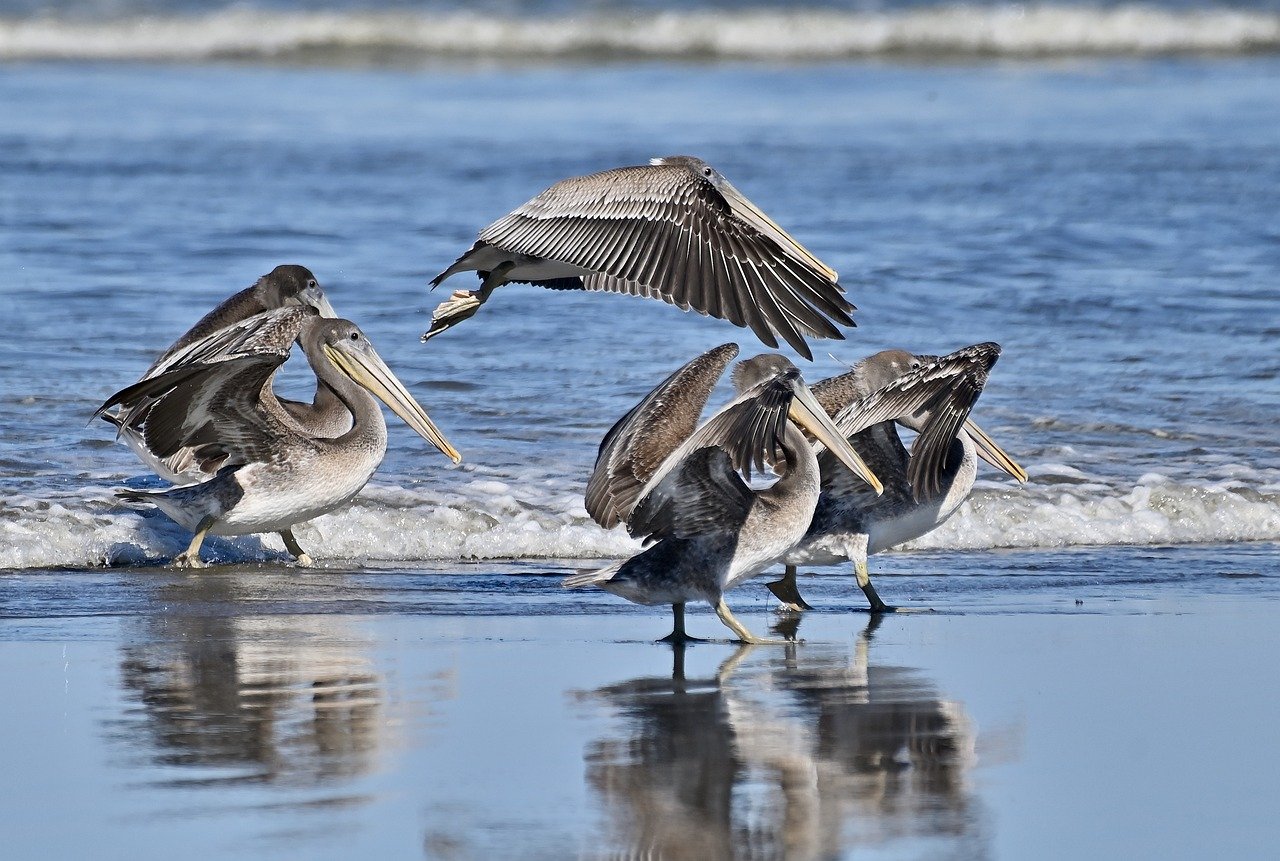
(675, 230)
(282, 287)
(684, 491)
(931, 395)
(269, 473)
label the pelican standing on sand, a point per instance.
(685, 490)
(283, 287)
(269, 472)
(931, 395)
(675, 230)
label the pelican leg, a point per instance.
(190, 558)
(464, 303)
(786, 591)
(744, 636)
(295, 550)
(858, 553)
(677, 636)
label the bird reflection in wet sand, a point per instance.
(265, 699)
(801, 754)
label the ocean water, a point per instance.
(1110, 222)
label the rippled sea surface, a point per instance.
(1110, 221)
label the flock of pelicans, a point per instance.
(243, 460)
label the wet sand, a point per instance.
(481, 712)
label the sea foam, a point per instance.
(769, 35)
(491, 519)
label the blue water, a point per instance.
(1111, 223)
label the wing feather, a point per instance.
(640, 441)
(665, 231)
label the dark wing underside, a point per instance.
(209, 399)
(703, 496)
(946, 388)
(641, 440)
(692, 493)
(665, 232)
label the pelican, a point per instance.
(674, 229)
(685, 490)
(268, 472)
(283, 287)
(931, 395)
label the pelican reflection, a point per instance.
(806, 753)
(242, 698)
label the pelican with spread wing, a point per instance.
(931, 395)
(686, 487)
(674, 229)
(286, 286)
(265, 471)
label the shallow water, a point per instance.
(265, 712)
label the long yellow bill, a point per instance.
(752, 214)
(367, 368)
(809, 414)
(992, 453)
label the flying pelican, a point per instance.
(283, 287)
(684, 490)
(675, 230)
(931, 395)
(268, 472)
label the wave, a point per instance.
(491, 519)
(768, 35)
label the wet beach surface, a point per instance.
(1053, 704)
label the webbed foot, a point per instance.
(452, 311)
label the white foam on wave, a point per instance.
(762, 35)
(491, 519)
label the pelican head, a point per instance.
(347, 348)
(804, 409)
(291, 284)
(747, 211)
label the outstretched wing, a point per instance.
(207, 399)
(637, 444)
(945, 389)
(267, 333)
(665, 231)
(216, 411)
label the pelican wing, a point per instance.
(665, 231)
(946, 388)
(637, 444)
(271, 331)
(234, 309)
(749, 433)
(703, 496)
(182, 401)
(217, 412)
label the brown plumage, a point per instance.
(674, 230)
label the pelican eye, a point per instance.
(915, 366)
(706, 171)
(311, 285)
(355, 336)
